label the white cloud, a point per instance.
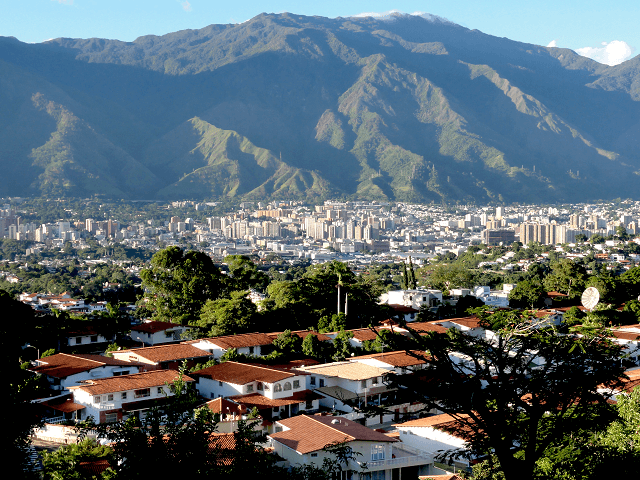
(553, 44)
(612, 53)
(186, 6)
(394, 14)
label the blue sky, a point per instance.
(574, 24)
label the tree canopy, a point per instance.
(521, 394)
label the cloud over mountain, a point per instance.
(612, 53)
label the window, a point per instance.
(143, 392)
(377, 452)
(123, 372)
(251, 350)
(312, 380)
(96, 399)
(321, 382)
(315, 454)
(160, 390)
(78, 340)
(94, 338)
(296, 384)
(374, 381)
(260, 387)
(363, 384)
(111, 418)
(219, 384)
(287, 385)
(123, 395)
(110, 397)
(249, 388)
(277, 387)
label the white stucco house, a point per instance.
(116, 398)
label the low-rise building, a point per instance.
(116, 398)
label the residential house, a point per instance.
(415, 298)
(406, 313)
(116, 398)
(163, 357)
(437, 434)
(305, 440)
(87, 333)
(258, 344)
(274, 392)
(350, 386)
(154, 333)
(64, 370)
(400, 362)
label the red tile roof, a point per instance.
(242, 373)
(130, 382)
(312, 433)
(423, 327)
(397, 359)
(163, 353)
(63, 404)
(62, 365)
(239, 341)
(260, 401)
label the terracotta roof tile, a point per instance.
(242, 373)
(239, 341)
(260, 401)
(162, 353)
(62, 365)
(311, 433)
(130, 382)
(423, 327)
(397, 359)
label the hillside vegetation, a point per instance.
(286, 106)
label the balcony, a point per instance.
(404, 457)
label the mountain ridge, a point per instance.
(410, 109)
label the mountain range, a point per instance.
(406, 108)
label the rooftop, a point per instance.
(346, 370)
(242, 373)
(130, 382)
(311, 433)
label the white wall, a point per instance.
(91, 408)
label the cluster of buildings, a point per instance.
(338, 230)
(303, 406)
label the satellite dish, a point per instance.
(590, 298)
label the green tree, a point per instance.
(566, 277)
(244, 275)
(64, 463)
(447, 276)
(227, 316)
(313, 347)
(179, 283)
(522, 393)
(287, 343)
(342, 346)
(527, 294)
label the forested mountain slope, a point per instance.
(286, 106)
